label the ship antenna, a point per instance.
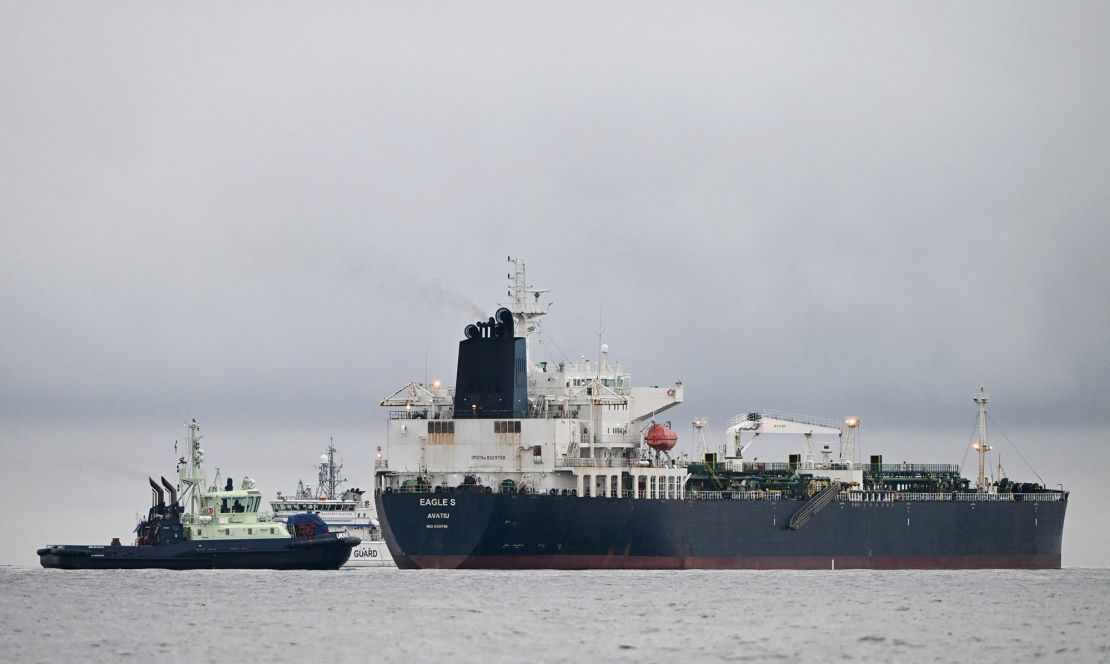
(329, 472)
(981, 445)
(600, 335)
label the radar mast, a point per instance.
(329, 479)
(526, 306)
(190, 471)
(981, 445)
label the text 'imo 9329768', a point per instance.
(531, 464)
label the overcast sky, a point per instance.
(268, 216)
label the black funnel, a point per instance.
(492, 379)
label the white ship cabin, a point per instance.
(348, 508)
(576, 426)
(321, 505)
(353, 513)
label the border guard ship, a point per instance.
(347, 510)
(537, 465)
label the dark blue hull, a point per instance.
(479, 530)
(328, 552)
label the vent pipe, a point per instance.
(159, 495)
(172, 491)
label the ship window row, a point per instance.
(319, 507)
(506, 426)
(441, 427)
(607, 382)
(238, 505)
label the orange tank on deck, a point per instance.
(661, 438)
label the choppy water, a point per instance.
(390, 615)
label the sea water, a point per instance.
(390, 615)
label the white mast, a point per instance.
(190, 472)
(848, 441)
(699, 436)
(329, 479)
(981, 445)
(526, 306)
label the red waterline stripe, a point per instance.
(1035, 561)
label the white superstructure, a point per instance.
(582, 429)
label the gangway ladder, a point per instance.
(815, 504)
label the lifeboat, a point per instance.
(661, 438)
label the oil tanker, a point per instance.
(567, 465)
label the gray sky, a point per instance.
(270, 215)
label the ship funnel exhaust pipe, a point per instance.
(172, 491)
(159, 495)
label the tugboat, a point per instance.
(221, 530)
(346, 510)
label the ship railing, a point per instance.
(447, 413)
(206, 519)
(473, 488)
(902, 468)
(609, 439)
(733, 495)
(614, 462)
(421, 412)
(912, 496)
(754, 467)
(892, 497)
(1046, 497)
(445, 490)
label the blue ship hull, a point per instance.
(327, 552)
(479, 530)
